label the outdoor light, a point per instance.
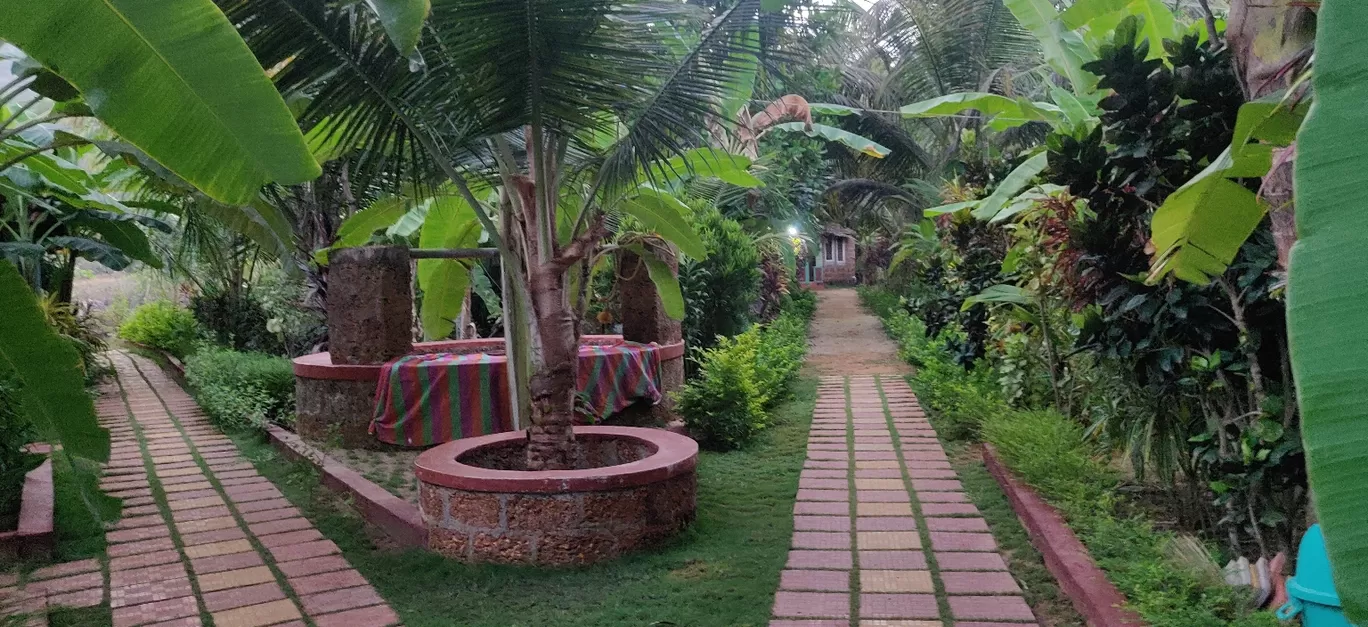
(793, 230)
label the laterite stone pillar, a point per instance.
(644, 320)
(370, 321)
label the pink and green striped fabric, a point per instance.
(427, 399)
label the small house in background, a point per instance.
(829, 260)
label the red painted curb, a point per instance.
(1092, 594)
(672, 455)
(34, 537)
(398, 518)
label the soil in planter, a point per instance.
(594, 452)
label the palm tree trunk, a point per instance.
(550, 441)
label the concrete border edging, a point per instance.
(1079, 577)
(397, 517)
(34, 537)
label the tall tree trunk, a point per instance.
(550, 441)
(1270, 42)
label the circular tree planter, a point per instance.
(631, 489)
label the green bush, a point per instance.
(802, 303)
(240, 390)
(719, 291)
(162, 324)
(15, 432)
(739, 379)
(722, 406)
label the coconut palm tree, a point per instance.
(534, 122)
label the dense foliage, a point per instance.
(16, 432)
(719, 290)
(164, 325)
(725, 405)
(241, 390)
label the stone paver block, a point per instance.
(69, 583)
(312, 565)
(957, 524)
(123, 578)
(149, 591)
(256, 506)
(883, 622)
(942, 497)
(886, 523)
(895, 580)
(301, 551)
(230, 598)
(270, 514)
(338, 600)
(814, 508)
(811, 604)
(879, 605)
(235, 578)
(210, 537)
(375, 615)
(949, 509)
(219, 563)
(876, 540)
(821, 473)
(821, 523)
(154, 545)
(325, 582)
(893, 560)
(823, 484)
(142, 561)
(809, 623)
(257, 615)
(218, 548)
(138, 533)
(838, 560)
(823, 495)
(878, 464)
(883, 509)
(820, 540)
(61, 570)
(89, 597)
(936, 485)
(879, 473)
(979, 583)
(879, 484)
(815, 580)
(290, 537)
(882, 496)
(155, 612)
(206, 524)
(990, 608)
(956, 541)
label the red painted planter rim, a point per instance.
(674, 455)
(320, 365)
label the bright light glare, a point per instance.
(793, 230)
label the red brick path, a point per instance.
(884, 534)
(227, 549)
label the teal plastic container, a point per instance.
(1312, 590)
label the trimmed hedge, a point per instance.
(242, 390)
(162, 324)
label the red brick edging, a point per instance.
(397, 517)
(34, 537)
(1092, 594)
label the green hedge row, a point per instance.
(741, 378)
(1051, 452)
(242, 390)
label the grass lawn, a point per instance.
(722, 571)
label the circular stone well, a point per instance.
(632, 488)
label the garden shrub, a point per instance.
(719, 290)
(740, 378)
(240, 390)
(722, 406)
(235, 320)
(164, 325)
(15, 433)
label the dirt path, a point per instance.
(884, 533)
(847, 340)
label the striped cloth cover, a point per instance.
(428, 399)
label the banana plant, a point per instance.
(1326, 292)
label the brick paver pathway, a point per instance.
(204, 539)
(884, 534)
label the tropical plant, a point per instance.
(1325, 294)
(162, 324)
(719, 290)
(525, 135)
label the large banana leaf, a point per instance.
(1040, 18)
(1012, 184)
(53, 396)
(710, 162)
(1327, 289)
(450, 223)
(668, 217)
(1004, 112)
(855, 142)
(381, 214)
(175, 79)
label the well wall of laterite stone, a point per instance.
(586, 516)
